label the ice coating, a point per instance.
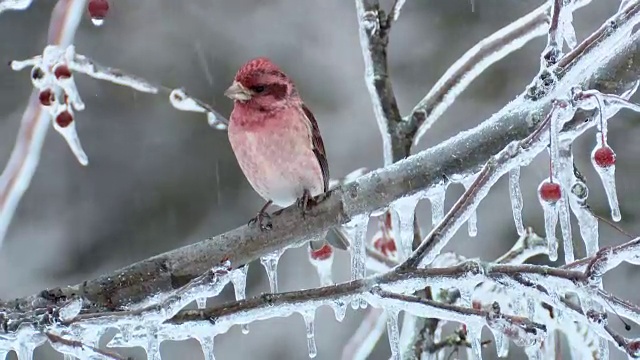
(564, 174)
(356, 230)
(239, 281)
(404, 209)
(393, 333)
(607, 176)
(473, 218)
(270, 264)
(515, 194)
(310, 331)
(550, 210)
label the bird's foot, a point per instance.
(306, 202)
(263, 219)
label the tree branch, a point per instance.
(461, 154)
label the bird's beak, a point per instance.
(238, 92)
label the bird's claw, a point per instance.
(305, 202)
(263, 219)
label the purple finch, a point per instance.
(276, 140)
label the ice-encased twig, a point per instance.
(17, 174)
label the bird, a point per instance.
(277, 142)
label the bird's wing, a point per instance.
(318, 146)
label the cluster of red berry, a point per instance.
(47, 96)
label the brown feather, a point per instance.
(318, 146)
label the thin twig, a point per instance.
(75, 347)
(17, 174)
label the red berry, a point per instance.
(98, 9)
(64, 119)
(323, 253)
(550, 191)
(62, 72)
(385, 246)
(46, 97)
(604, 157)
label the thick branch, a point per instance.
(373, 191)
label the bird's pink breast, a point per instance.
(275, 153)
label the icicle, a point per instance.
(311, 340)
(587, 223)
(603, 349)
(207, 347)
(549, 193)
(437, 197)
(474, 332)
(405, 209)
(473, 217)
(502, 343)
(25, 350)
(603, 160)
(393, 332)
(566, 22)
(516, 199)
(356, 229)
(339, 309)
(563, 168)
(270, 263)
(201, 302)
(153, 345)
(549, 345)
(534, 352)
(239, 280)
(65, 124)
(531, 308)
(66, 356)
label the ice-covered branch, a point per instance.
(373, 191)
(77, 348)
(14, 5)
(477, 59)
(374, 27)
(17, 174)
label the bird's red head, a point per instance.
(261, 84)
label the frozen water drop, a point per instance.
(270, 263)
(310, 329)
(207, 347)
(201, 302)
(356, 230)
(502, 344)
(473, 335)
(437, 198)
(340, 309)
(153, 345)
(516, 199)
(404, 209)
(606, 171)
(472, 222)
(97, 21)
(393, 332)
(239, 280)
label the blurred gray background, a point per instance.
(159, 178)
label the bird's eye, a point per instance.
(258, 89)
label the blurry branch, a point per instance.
(17, 174)
(365, 338)
(375, 190)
